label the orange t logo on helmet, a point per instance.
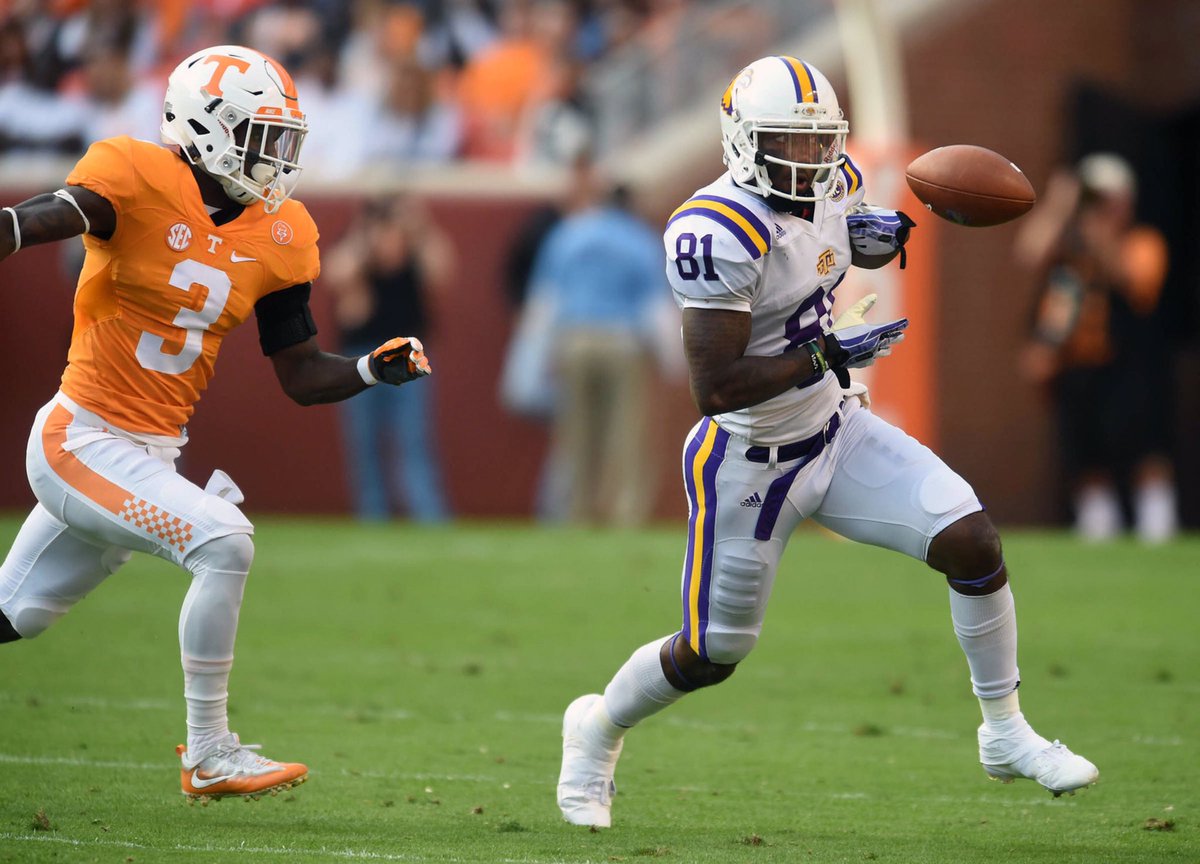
(223, 64)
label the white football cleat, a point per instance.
(585, 784)
(1012, 751)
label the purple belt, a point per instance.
(806, 449)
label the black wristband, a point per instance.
(819, 365)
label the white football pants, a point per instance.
(872, 483)
(102, 494)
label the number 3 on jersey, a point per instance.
(685, 257)
(193, 322)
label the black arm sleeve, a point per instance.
(284, 318)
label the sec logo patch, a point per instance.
(281, 232)
(179, 236)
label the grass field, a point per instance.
(422, 675)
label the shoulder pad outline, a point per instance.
(739, 221)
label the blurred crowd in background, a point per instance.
(529, 84)
(389, 83)
(381, 80)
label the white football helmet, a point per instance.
(233, 112)
(782, 111)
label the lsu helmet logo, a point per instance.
(839, 191)
(741, 79)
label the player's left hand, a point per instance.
(853, 343)
(399, 360)
(876, 231)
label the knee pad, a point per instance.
(208, 619)
(738, 596)
(740, 582)
(730, 647)
(233, 553)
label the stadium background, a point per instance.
(1039, 82)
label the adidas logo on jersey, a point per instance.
(753, 501)
(778, 231)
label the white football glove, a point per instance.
(855, 343)
(864, 342)
(877, 231)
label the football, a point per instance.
(970, 185)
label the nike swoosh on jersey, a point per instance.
(238, 259)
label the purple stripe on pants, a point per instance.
(707, 529)
(689, 458)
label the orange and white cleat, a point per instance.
(232, 768)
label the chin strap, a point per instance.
(803, 209)
(236, 193)
(246, 197)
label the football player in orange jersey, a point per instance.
(182, 243)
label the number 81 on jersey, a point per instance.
(685, 257)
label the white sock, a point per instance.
(206, 692)
(986, 628)
(1157, 516)
(207, 631)
(638, 690)
(1097, 514)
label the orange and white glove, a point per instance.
(396, 361)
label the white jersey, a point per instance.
(727, 249)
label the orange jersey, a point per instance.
(155, 300)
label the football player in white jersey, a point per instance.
(753, 260)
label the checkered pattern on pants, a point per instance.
(154, 520)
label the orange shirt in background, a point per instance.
(493, 92)
(1143, 271)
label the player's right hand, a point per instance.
(877, 231)
(399, 360)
